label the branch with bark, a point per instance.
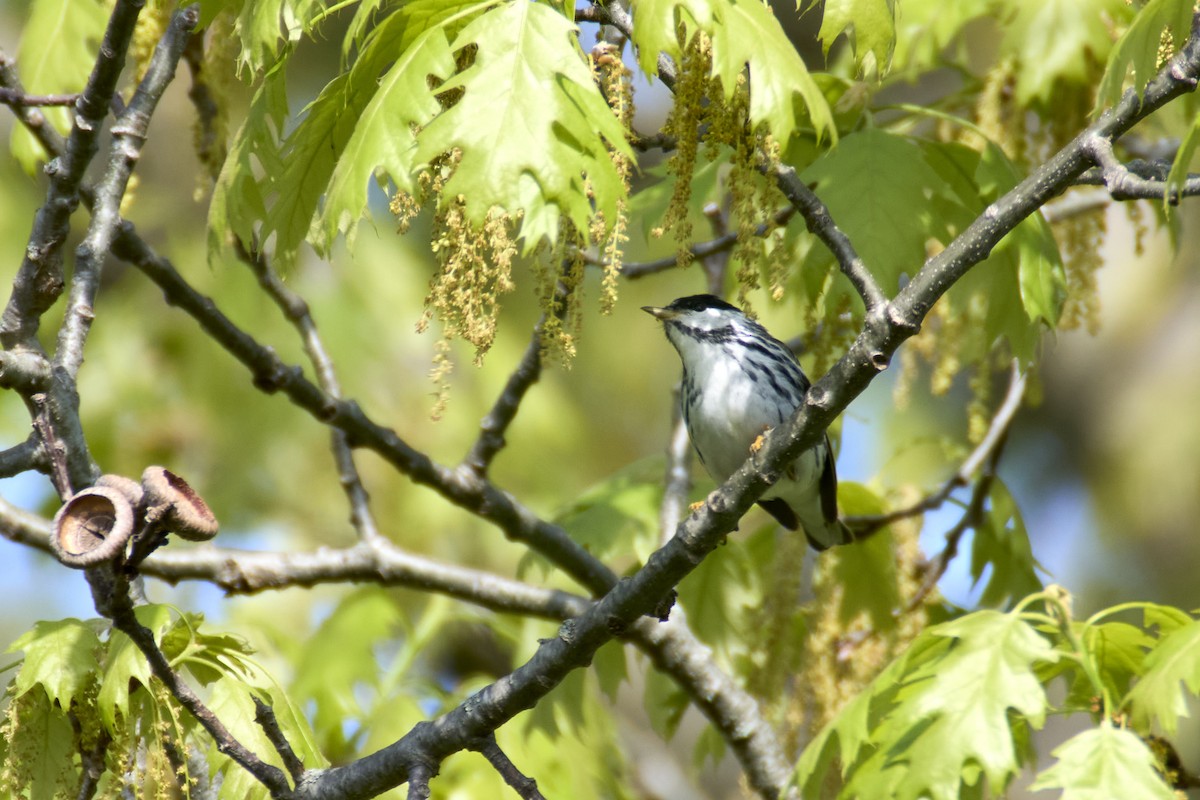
(621, 608)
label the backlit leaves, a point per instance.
(1102, 763)
(745, 36)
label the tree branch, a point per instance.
(16, 98)
(296, 310)
(460, 486)
(1137, 180)
(993, 440)
(264, 715)
(128, 133)
(119, 608)
(39, 280)
(504, 410)
(524, 786)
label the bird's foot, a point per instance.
(757, 444)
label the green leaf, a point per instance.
(382, 138)
(1157, 694)
(1118, 652)
(1180, 167)
(1022, 281)
(611, 670)
(57, 50)
(1040, 273)
(60, 656)
(867, 571)
(649, 204)
(40, 755)
(953, 722)
(531, 125)
(1138, 47)
(1104, 763)
(745, 34)
(864, 180)
(1002, 543)
(125, 665)
(267, 27)
(619, 516)
(665, 703)
(870, 25)
(927, 28)
(719, 597)
(237, 201)
(1052, 41)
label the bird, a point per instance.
(738, 382)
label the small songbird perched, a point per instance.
(739, 381)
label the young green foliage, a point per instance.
(1104, 762)
(56, 54)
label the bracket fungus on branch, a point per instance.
(185, 513)
(95, 525)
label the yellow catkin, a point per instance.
(218, 73)
(841, 658)
(616, 83)
(978, 407)
(996, 114)
(151, 25)
(683, 123)
(1080, 238)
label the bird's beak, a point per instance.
(658, 313)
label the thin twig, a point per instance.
(16, 98)
(91, 758)
(997, 430)
(29, 454)
(298, 312)
(39, 280)
(1137, 180)
(129, 134)
(821, 224)
(524, 786)
(121, 612)
(419, 776)
(971, 519)
(495, 424)
(264, 715)
(701, 250)
(1076, 203)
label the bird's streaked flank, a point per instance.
(739, 381)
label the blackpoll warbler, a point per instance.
(739, 381)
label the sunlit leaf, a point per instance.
(1103, 763)
(530, 116)
(870, 25)
(1157, 695)
(60, 656)
(1139, 48)
(1054, 41)
(745, 35)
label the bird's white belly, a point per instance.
(730, 413)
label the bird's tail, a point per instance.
(825, 534)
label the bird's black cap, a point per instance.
(700, 302)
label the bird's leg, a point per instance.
(757, 444)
